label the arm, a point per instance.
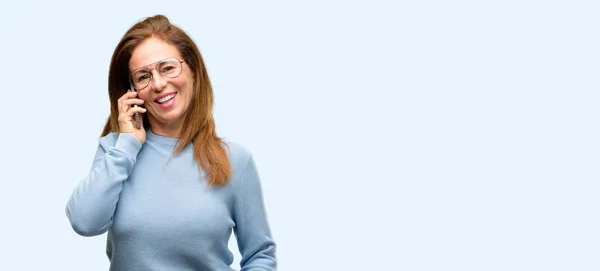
(252, 231)
(92, 204)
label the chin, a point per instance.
(170, 117)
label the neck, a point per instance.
(167, 129)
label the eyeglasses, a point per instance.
(169, 67)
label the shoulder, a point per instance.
(108, 141)
(239, 155)
(241, 160)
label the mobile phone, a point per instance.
(135, 115)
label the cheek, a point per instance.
(144, 97)
(187, 88)
(189, 94)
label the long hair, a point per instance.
(198, 126)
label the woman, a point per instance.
(169, 191)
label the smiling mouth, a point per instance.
(165, 99)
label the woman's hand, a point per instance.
(127, 123)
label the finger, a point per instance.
(131, 94)
(128, 116)
(128, 95)
(134, 110)
(133, 101)
(124, 107)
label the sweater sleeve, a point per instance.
(252, 231)
(92, 204)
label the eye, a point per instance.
(142, 77)
(167, 68)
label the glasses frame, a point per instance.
(155, 64)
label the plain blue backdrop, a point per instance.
(389, 135)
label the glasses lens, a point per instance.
(140, 79)
(169, 67)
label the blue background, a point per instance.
(389, 135)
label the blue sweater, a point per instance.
(160, 213)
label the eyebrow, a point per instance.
(146, 66)
(142, 69)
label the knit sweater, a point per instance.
(160, 213)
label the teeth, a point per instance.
(166, 98)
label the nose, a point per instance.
(158, 82)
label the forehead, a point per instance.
(150, 51)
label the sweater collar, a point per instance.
(151, 136)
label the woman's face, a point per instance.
(166, 99)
